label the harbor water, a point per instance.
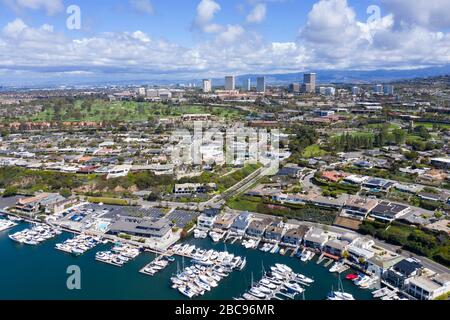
(40, 272)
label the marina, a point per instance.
(279, 283)
(79, 244)
(157, 265)
(118, 256)
(36, 235)
(102, 281)
(6, 224)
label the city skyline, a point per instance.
(141, 39)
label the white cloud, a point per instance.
(329, 18)
(328, 40)
(426, 13)
(258, 14)
(206, 10)
(231, 33)
(51, 6)
(144, 6)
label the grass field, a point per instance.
(110, 201)
(313, 151)
(244, 203)
(130, 111)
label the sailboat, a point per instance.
(340, 294)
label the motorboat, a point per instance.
(255, 292)
(294, 287)
(304, 278)
(352, 276)
(336, 267)
(283, 268)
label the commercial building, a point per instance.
(141, 227)
(247, 85)
(388, 90)
(38, 203)
(230, 83)
(294, 88)
(207, 85)
(309, 82)
(261, 84)
(356, 91)
(378, 89)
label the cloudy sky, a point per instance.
(183, 39)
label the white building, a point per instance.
(230, 83)
(207, 85)
(429, 288)
(356, 91)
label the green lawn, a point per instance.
(313, 151)
(130, 111)
(244, 203)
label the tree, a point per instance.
(10, 192)
(399, 136)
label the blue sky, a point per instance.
(197, 38)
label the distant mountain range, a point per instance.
(349, 76)
(323, 76)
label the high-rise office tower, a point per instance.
(230, 83)
(388, 90)
(309, 82)
(378, 89)
(294, 87)
(261, 84)
(247, 85)
(355, 91)
(207, 85)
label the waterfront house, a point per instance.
(382, 260)
(399, 274)
(241, 223)
(359, 207)
(208, 218)
(429, 288)
(258, 227)
(335, 247)
(225, 220)
(388, 211)
(274, 231)
(142, 227)
(361, 249)
(315, 239)
(295, 236)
